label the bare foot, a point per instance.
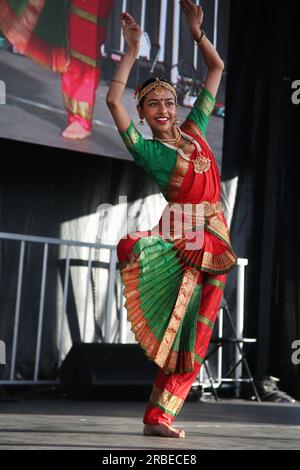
(163, 430)
(75, 131)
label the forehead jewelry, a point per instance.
(158, 87)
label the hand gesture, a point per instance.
(194, 16)
(131, 30)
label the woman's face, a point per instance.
(159, 111)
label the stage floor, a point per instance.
(34, 112)
(227, 424)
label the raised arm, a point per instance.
(215, 65)
(132, 34)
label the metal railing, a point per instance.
(205, 378)
(46, 242)
(122, 325)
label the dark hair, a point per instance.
(147, 82)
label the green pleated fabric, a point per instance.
(52, 23)
(18, 6)
(159, 278)
(152, 284)
(38, 29)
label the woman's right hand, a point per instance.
(131, 30)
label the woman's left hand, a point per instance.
(131, 30)
(194, 16)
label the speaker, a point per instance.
(113, 371)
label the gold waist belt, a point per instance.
(209, 208)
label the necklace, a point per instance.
(201, 163)
(171, 141)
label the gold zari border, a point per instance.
(85, 59)
(206, 321)
(166, 400)
(221, 262)
(78, 107)
(205, 104)
(84, 14)
(185, 292)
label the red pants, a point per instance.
(170, 391)
(87, 31)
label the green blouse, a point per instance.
(156, 158)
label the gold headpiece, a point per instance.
(158, 87)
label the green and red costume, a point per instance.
(173, 292)
(64, 36)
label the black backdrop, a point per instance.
(261, 147)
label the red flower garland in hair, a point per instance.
(137, 91)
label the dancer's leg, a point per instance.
(170, 390)
(87, 31)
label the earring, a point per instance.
(177, 120)
(141, 123)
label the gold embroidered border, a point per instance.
(218, 226)
(219, 263)
(166, 400)
(206, 321)
(182, 364)
(130, 137)
(185, 292)
(176, 178)
(134, 135)
(198, 359)
(215, 282)
(127, 141)
(191, 127)
(205, 103)
(85, 59)
(84, 14)
(78, 107)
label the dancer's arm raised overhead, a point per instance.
(132, 34)
(215, 65)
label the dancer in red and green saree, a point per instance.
(174, 279)
(64, 36)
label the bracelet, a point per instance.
(119, 81)
(201, 39)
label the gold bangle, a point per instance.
(119, 81)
